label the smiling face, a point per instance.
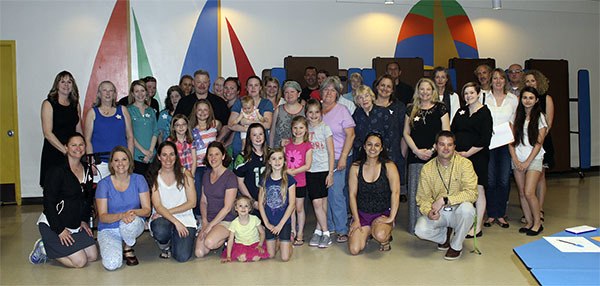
(181, 126)
(445, 147)
(120, 163)
(167, 157)
(202, 112)
(310, 76)
(65, 85)
(257, 137)
(187, 85)
(530, 81)
(425, 92)
(483, 75)
(139, 94)
(175, 97)
(385, 88)
(515, 74)
(107, 93)
(365, 101)
(218, 86)
(373, 146)
(253, 87)
(242, 206)
(76, 147)
(321, 77)
(291, 95)
(230, 91)
(271, 89)
(313, 114)
(470, 95)
(215, 157)
(277, 160)
(299, 130)
(441, 78)
(498, 81)
(151, 87)
(329, 95)
(528, 100)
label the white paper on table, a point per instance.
(502, 135)
(580, 229)
(584, 244)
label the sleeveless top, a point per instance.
(64, 122)
(283, 126)
(109, 132)
(374, 197)
(201, 141)
(172, 196)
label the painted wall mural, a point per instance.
(436, 31)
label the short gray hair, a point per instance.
(335, 82)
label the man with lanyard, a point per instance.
(445, 196)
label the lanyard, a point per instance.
(447, 187)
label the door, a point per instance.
(10, 191)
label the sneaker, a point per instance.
(452, 254)
(325, 241)
(38, 254)
(314, 240)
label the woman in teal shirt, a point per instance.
(145, 130)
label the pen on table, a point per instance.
(571, 243)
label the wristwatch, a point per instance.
(445, 200)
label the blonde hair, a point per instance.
(541, 79)
(269, 171)
(364, 89)
(131, 99)
(416, 103)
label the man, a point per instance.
(321, 76)
(402, 91)
(515, 79)
(310, 76)
(483, 73)
(201, 85)
(445, 196)
(186, 83)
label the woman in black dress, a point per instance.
(60, 118)
(473, 127)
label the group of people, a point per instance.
(185, 171)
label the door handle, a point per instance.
(10, 133)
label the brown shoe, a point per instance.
(452, 254)
(130, 258)
(446, 244)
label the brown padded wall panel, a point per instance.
(295, 66)
(557, 72)
(412, 68)
(465, 69)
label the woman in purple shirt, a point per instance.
(219, 188)
(339, 119)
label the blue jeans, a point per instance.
(198, 184)
(498, 182)
(337, 208)
(164, 232)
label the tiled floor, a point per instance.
(570, 202)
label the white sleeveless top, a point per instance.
(172, 196)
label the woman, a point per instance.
(219, 188)
(231, 93)
(107, 127)
(472, 127)
(502, 105)
(282, 119)
(425, 117)
(60, 118)
(172, 223)
(217, 87)
(174, 94)
(537, 80)
(264, 106)
(374, 191)
(66, 235)
(356, 80)
(338, 118)
(447, 95)
(250, 164)
(122, 202)
(527, 155)
(393, 125)
(143, 122)
(272, 91)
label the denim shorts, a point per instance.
(284, 235)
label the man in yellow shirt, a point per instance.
(445, 196)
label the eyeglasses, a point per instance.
(514, 71)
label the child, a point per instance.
(182, 137)
(298, 154)
(320, 175)
(250, 113)
(276, 202)
(527, 154)
(246, 235)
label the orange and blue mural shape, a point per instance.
(436, 30)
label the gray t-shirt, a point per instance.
(318, 139)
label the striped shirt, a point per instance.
(201, 140)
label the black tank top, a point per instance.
(374, 197)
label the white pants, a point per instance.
(111, 242)
(460, 219)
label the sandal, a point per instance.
(385, 246)
(130, 260)
(342, 238)
(542, 216)
(298, 242)
(165, 253)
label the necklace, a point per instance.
(105, 110)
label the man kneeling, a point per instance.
(447, 190)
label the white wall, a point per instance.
(56, 35)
